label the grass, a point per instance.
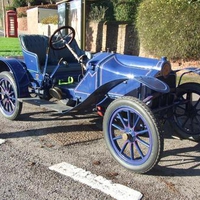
(10, 47)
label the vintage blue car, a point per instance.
(134, 95)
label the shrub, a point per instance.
(36, 2)
(48, 6)
(125, 10)
(21, 11)
(101, 11)
(10, 8)
(50, 20)
(170, 28)
(114, 10)
(97, 13)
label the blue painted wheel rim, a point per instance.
(130, 135)
(7, 97)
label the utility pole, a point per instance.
(4, 22)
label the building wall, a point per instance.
(32, 21)
(34, 17)
(46, 29)
(44, 13)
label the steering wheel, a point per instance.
(62, 36)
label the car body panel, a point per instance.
(19, 72)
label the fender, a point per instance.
(18, 69)
(153, 83)
(99, 94)
(190, 69)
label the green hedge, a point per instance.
(114, 10)
(126, 10)
(169, 28)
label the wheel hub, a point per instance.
(6, 96)
(129, 135)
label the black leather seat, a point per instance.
(34, 48)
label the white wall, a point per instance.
(46, 29)
(34, 17)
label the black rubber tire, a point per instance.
(10, 107)
(145, 119)
(187, 112)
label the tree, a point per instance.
(37, 2)
(19, 3)
(22, 3)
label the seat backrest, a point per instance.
(34, 48)
(36, 44)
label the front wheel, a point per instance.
(10, 107)
(186, 115)
(132, 134)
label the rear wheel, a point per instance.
(10, 107)
(132, 134)
(186, 115)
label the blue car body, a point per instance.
(129, 92)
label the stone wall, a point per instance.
(113, 36)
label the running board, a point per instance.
(55, 106)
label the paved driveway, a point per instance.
(41, 140)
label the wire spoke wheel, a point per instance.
(132, 134)
(10, 107)
(186, 115)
